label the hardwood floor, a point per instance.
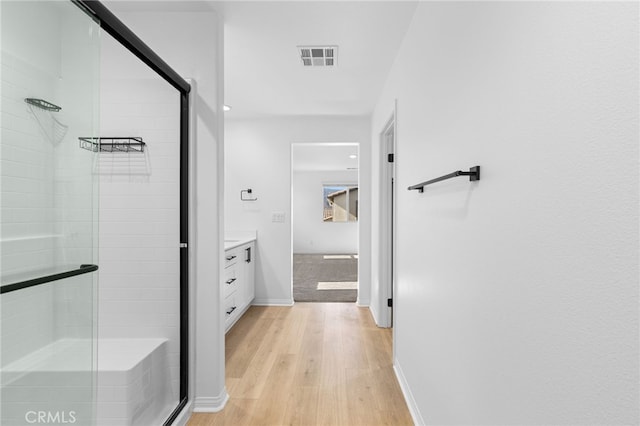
(310, 364)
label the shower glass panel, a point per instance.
(48, 213)
(139, 302)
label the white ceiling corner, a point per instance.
(263, 71)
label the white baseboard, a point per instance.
(408, 396)
(210, 404)
(272, 302)
(363, 302)
(184, 415)
(373, 314)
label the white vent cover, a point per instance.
(318, 56)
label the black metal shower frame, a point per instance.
(119, 31)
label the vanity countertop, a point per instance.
(236, 239)
(230, 244)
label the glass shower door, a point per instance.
(48, 213)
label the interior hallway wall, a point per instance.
(192, 43)
(517, 296)
(258, 156)
(310, 233)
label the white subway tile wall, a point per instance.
(26, 211)
(57, 200)
(27, 171)
(46, 187)
(139, 217)
(47, 197)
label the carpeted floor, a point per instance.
(310, 269)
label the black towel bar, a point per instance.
(473, 173)
(83, 269)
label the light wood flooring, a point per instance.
(310, 364)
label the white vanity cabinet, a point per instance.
(238, 281)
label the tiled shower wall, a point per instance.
(46, 186)
(49, 203)
(27, 232)
(139, 214)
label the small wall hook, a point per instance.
(248, 191)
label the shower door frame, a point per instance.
(127, 38)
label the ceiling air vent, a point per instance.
(318, 56)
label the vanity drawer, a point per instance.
(230, 308)
(231, 257)
(230, 283)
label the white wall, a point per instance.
(310, 233)
(258, 156)
(192, 43)
(517, 296)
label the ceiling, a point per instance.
(324, 156)
(264, 74)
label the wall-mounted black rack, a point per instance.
(117, 144)
(26, 283)
(473, 173)
(42, 104)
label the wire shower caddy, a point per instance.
(112, 144)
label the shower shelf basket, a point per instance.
(42, 104)
(117, 144)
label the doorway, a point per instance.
(324, 212)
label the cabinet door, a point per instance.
(248, 276)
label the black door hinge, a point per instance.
(390, 303)
(390, 158)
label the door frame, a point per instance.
(387, 211)
(291, 202)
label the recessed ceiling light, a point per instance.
(353, 156)
(226, 108)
